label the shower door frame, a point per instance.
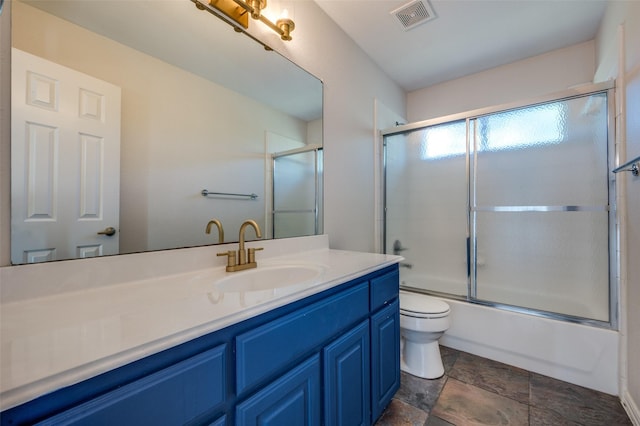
(318, 187)
(614, 265)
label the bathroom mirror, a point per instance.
(200, 107)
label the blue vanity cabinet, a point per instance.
(172, 396)
(293, 399)
(268, 351)
(385, 356)
(385, 340)
(347, 383)
(222, 421)
(329, 359)
(273, 352)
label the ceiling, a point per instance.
(466, 36)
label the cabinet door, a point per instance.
(175, 395)
(385, 357)
(347, 392)
(222, 421)
(293, 399)
(266, 351)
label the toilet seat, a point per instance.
(422, 306)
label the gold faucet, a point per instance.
(246, 259)
(218, 224)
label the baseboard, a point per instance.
(630, 407)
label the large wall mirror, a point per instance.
(123, 112)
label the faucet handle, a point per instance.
(231, 257)
(252, 254)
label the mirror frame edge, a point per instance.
(5, 134)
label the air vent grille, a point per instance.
(413, 14)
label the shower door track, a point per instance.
(589, 89)
(513, 308)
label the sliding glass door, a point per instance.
(540, 209)
(297, 193)
(426, 206)
(508, 207)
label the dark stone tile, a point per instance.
(540, 417)
(464, 404)
(449, 357)
(493, 376)
(399, 413)
(418, 392)
(577, 404)
(437, 421)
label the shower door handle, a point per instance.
(397, 247)
(468, 257)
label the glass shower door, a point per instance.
(426, 204)
(297, 189)
(540, 208)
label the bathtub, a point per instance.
(575, 353)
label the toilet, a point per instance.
(423, 319)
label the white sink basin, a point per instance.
(269, 277)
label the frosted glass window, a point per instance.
(542, 124)
(444, 141)
(525, 127)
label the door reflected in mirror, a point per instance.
(201, 107)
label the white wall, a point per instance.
(539, 75)
(622, 60)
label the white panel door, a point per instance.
(65, 162)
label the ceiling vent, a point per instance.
(413, 14)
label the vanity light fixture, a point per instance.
(286, 25)
(238, 11)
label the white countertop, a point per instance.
(62, 338)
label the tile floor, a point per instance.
(478, 391)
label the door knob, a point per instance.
(108, 231)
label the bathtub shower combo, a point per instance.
(509, 207)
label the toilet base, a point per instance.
(422, 359)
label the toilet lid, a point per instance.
(416, 304)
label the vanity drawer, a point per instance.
(270, 348)
(384, 289)
(171, 396)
